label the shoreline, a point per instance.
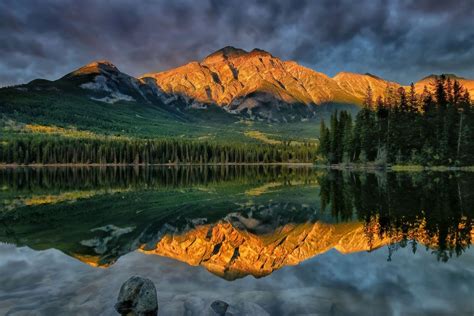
(82, 165)
(394, 168)
(341, 167)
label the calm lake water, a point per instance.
(267, 240)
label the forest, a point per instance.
(434, 128)
(34, 149)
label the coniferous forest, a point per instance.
(434, 128)
(403, 127)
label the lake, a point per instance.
(268, 240)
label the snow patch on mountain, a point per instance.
(114, 97)
(99, 84)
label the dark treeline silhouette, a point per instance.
(434, 128)
(62, 150)
(142, 177)
(435, 209)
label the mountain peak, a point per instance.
(372, 75)
(434, 76)
(94, 68)
(260, 52)
(230, 52)
(225, 53)
(101, 63)
(356, 75)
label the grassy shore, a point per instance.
(394, 168)
(345, 166)
(417, 168)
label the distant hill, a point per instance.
(429, 82)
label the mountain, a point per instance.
(356, 84)
(201, 99)
(430, 81)
(102, 81)
(231, 251)
(233, 221)
(251, 82)
(239, 82)
(258, 83)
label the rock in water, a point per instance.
(219, 307)
(137, 297)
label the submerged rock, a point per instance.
(137, 297)
(219, 307)
(222, 308)
(246, 309)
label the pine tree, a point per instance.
(324, 140)
(434, 128)
(347, 141)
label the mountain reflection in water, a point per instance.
(293, 240)
(234, 220)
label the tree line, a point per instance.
(434, 128)
(64, 150)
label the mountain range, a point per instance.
(229, 84)
(238, 81)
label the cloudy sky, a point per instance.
(399, 40)
(362, 283)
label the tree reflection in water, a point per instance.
(283, 214)
(434, 208)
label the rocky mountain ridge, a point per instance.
(231, 251)
(254, 83)
(242, 81)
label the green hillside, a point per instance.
(30, 108)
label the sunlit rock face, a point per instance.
(257, 82)
(232, 253)
(238, 246)
(430, 81)
(254, 83)
(244, 81)
(96, 67)
(357, 84)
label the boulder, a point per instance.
(246, 309)
(219, 307)
(137, 297)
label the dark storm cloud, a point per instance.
(400, 40)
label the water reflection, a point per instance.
(66, 178)
(435, 209)
(233, 220)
